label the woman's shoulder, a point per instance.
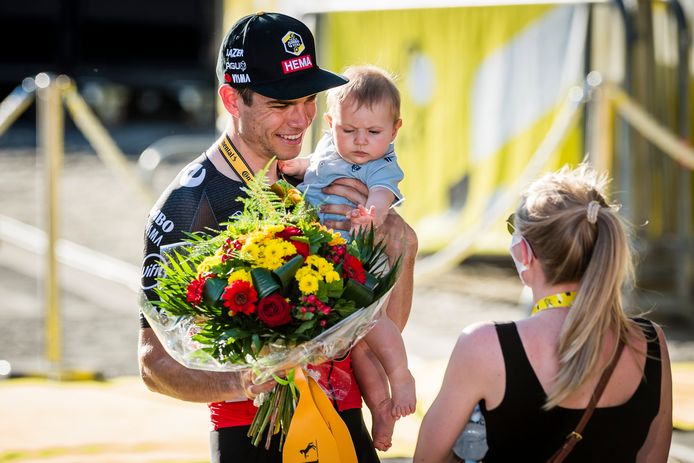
(477, 341)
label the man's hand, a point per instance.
(253, 390)
(352, 190)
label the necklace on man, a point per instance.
(554, 301)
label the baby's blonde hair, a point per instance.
(578, 236)
(368, 85)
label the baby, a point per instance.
(364, 118)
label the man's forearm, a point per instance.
(164, 375)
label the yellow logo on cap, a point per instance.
(293, 43)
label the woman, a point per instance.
(534, 378)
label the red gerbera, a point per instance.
(353, 269)
(194, 289)
(240, 296)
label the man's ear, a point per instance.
(396, 127)
(231, 99)
(329, 119)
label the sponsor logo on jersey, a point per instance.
(192, 176)
(293, 43)
(297, 64)
(151, 269)
(158, 227)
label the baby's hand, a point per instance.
(292, 167)
(362, 217)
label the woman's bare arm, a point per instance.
(657, 445)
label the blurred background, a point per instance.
(494, 93)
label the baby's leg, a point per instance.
(373, 383)
(385, 341)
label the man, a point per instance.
(269, 79)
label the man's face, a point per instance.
(270, 127)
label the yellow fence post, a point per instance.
(50, 141)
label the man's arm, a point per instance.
(162, 374)
(400, 239)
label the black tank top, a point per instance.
(519, 430)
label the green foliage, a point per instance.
(209, 259)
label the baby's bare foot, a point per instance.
(402, 388)
(382, 424)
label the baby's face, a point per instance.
(363, 134)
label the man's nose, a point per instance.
(301, 116)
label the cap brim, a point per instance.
(301, 85)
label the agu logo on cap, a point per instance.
(293, 43)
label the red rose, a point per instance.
(240, 297)
(194, 290)
(353, 269)
(274, 310)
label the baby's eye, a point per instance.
(348, 130)
(374, 132)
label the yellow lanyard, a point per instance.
(555, 300)
(237, 163)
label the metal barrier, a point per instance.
(51, 92)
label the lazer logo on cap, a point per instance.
(293, 43)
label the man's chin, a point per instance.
(285, 155)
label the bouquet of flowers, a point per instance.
(273, 291)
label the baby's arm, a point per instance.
(376, 210)
(294, 167)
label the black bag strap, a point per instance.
(575, 435)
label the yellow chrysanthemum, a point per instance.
(337, 240)
(273, 250)
(308, 284)
(272, 229)
(288, 248)
(332, 276)
(305, 270)
(251, 249)
(269, 263)
(208, 263)
(240, 274)
(320, 264)
(257, 237)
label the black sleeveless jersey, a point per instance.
(198, 199)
